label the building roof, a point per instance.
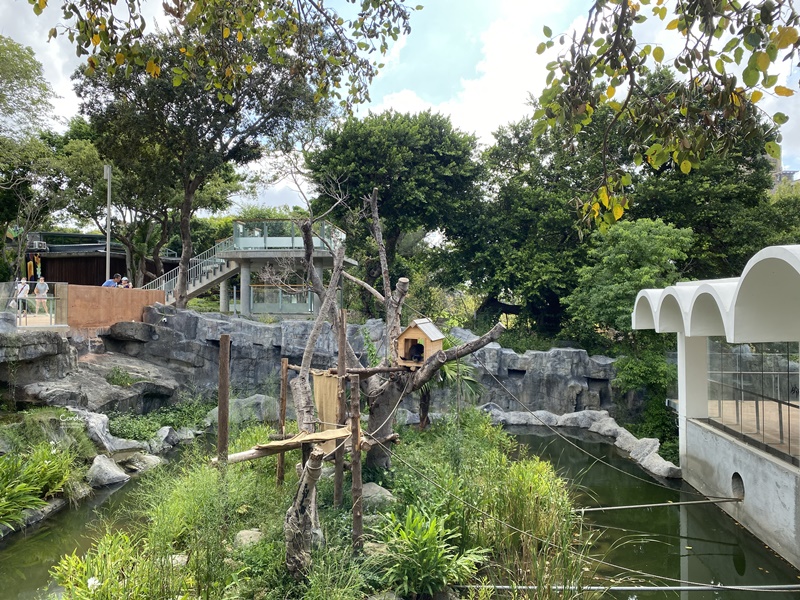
(427, 327)
(761, 305)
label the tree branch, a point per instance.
(435, 362)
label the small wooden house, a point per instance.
(418, 342)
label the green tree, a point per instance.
(688, 123)
(629, 256)
(185, 132)
(426, 172)
(24, 92)
(336, 51)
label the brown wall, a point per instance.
(97, 306)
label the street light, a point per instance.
(107, 177)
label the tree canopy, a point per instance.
(333, 44)
(684, 124)
(427, 172)
(24, 92)
(184, 135)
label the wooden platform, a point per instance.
(295, 442)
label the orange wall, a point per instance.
(97, 306)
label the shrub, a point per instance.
(188, 413)
(120, 377)
(420, 558)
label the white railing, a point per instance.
(199, 266)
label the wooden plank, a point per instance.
(338, 476)
(293, 443)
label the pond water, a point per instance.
(697, 543)
(26, 558)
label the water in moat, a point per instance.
(696, 543)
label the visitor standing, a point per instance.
(40, 291)
(114, 281)
(125, 283)
(23, 289)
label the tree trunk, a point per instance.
(187, 207)
(299, 521)
(382, 405)
(424, 407)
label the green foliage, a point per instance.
(658, 421)
(373, 358)
(16, 495)
(463, 471)
(682, 124)
(426, 174)
(186, 413)
(119, 376)
(628, 257)
(420, 559)
(25, 94)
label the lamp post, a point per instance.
(107, 177)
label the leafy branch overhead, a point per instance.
(336, 52)
(730, 53)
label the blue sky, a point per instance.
(474, 60)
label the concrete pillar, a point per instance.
(692, 383)
(244, 275)
(224, 296)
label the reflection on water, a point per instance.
(26, 558)
(697, 543)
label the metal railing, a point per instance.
(30, 311)
(201, 265)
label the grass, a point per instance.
(433, 537)
(120, 377)
(186, 413)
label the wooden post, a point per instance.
(355, 462)
(223, 397)
(338, 478)
(282, 416)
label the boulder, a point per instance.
(497, 414)
(164, 439)
(644, 448)
(104, 471)
(257, 407)
(375, 497)
(607, 427)
(625, 440)
(97, 430)
(656, 465)
(583, 419)
(139, 462)
(247, 537)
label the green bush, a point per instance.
(188, 413)
(121, 377)
(420, 559)
(16, 494)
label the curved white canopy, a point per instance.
(763, 305)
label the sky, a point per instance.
(473, 60)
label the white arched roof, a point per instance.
(760, 306)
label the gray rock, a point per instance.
(527, 418)
(139, 462)
(164, 439)
(179, 560)
(257, 407)
(625, 440)
(656, 465)
(186, 434)
(644, 448)
(497, 414)
(247, 537)
(583, 419)
(375, 497)
(607, 427)
(104, 471)
(405, 417)
(97, 430)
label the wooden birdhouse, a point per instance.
(418, 342)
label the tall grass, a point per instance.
(519, 509)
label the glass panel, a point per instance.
(754, 390)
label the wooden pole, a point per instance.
(338, 478)
(355, 462)
(282, 416)
(223, 397)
